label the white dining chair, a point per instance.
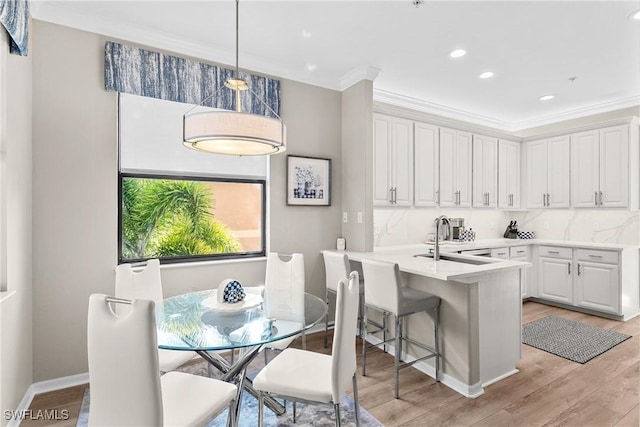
(384, 292)
(309, 377)
(336, 268)
(284, 288)
(143, 281)
(124, 376)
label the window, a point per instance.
(181, 205)
(190, 218)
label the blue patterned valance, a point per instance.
(142, 72)
(14, 16)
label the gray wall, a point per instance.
(75, 195)
(16, 311)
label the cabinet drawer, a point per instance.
(555, 252)
(502, 253)
(519, 251)
(593, 255)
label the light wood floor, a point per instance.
(548, 390)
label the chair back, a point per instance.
(124, 377)
(382, 284)
(343, 352)
(336, 268)
(284, 287)
(144, 283)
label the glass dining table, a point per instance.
(198, 322)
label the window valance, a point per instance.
(136, 71)
(14, 16)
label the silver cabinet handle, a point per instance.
(437, 197)
(600, 198)
(520, 252)
(548, 199)
(553, 252)
(395, 195)
(501, 253)
(569, 266)
(595, 256)
(596, 198)
(578, 269)
(391, 195)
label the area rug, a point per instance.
(306, 415)
(570, 339)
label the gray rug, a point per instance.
(306, 415)
(570, 339)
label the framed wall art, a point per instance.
(308, 181)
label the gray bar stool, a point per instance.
(384, 292)
(337, 268)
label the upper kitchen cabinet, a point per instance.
(485, 171)
(455, 168)
(508, 174)
(547, 172)
(600, 168)
(426, 148)
(392, 161)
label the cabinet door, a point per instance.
(597, 286)
(524, 277)
(536, 173)
(485, 176)
(462, 165)
(381, 160)
(426, 153)
(558, 164)
(555, 280)
(508, 174)
(614, 166)
(585, 155)
(448, 191)
(402, 162)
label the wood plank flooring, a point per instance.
(548, 390)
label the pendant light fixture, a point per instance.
(234, 132)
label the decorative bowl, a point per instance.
(526, 234)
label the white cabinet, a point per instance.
(426, 166)
(508, 174)
(600, 168)
(500, 253)
(521, 253)
(393, 161)
(485, 171)
(555, 280)
(597, 280)
(547, 172)
(455, 168)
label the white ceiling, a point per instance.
(533, 47)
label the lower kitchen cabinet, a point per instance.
(597, 286)
(555, 281)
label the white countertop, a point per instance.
(442, 269)
(449, 246)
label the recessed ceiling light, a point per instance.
(546, 97)
(635, 15)
(486, 75)
(311, 67)
(306, 34)
(458, 53)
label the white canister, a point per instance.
(341, 244)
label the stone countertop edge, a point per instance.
(500, 243)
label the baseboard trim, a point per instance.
(471, 391)
(501, 377)
(47, 386)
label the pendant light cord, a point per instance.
(237, 37)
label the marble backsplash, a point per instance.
(400, 226)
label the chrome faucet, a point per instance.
(445, 220)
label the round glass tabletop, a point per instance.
(197, 321)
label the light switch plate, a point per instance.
(345, 217)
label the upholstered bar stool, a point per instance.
(384, 292)
(337, 268)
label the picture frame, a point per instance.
(308, 181)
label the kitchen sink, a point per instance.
(455, 259)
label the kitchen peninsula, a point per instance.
(480, 314)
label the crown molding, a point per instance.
(68, 16)
(411, 103)
(501, 125)
(363, 72)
